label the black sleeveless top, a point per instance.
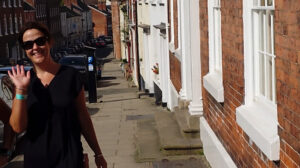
(53, 130)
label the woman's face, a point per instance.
(36, 46)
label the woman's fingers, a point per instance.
(13, 71)
(18, 69)
(28, 74)
(22, 70)
(9, 74)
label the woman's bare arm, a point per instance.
(88, 131)
(18, 118)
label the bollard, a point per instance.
(91, 66)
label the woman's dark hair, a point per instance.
(35, 25)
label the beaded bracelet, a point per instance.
(21, 97)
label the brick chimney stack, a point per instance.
(102, 5)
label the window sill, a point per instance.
(261, 126)
(213, 83)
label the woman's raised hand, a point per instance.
(19, 77)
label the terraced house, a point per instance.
(11, 19)
(234, 65)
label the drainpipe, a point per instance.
(137, 47)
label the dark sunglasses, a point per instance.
(39, 41)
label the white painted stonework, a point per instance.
(214, 151)
(196, 105)
(257, 117)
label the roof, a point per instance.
(27, 6)
(83, 5)
(76, 7)
(92, 7)
(69, 12)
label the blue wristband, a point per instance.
(21, 97)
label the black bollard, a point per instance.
(92, 83)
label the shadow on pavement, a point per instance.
(108, 78)
(103, 52)
(102, 84)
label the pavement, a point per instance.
(114, 117)
(126, 127)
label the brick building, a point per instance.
(100, 19)
(116, 28)
(250, 69)
(11, 19)
(29, 12)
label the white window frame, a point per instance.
(213, 81)
(258, 116)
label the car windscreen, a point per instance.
(72, 61)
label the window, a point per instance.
(16, 24)
(213, 81)
(264, 57)
(20, 20)
(15, 5)
(20, 3)
(0, 28)
(3, 4)
(5, 24)
(11, 25)
(9, 4)
(217, 54)
(7, 50)
(258, 116)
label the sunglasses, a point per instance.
(39, 41)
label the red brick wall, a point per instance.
(221, 116)
(116, 28)
(287, 50)
(175, 71)
(100, 21)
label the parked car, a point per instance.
(78, 62)
(4, 69)
(107, 39)
(100, 43)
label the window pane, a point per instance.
(262, 74)
(269, 77)
(262, 2)
(270, 2)
(261, 31)
(269, 33)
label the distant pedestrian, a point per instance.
(50, 106)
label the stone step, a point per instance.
(189, 125)
(171, 140)
(146, 140)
